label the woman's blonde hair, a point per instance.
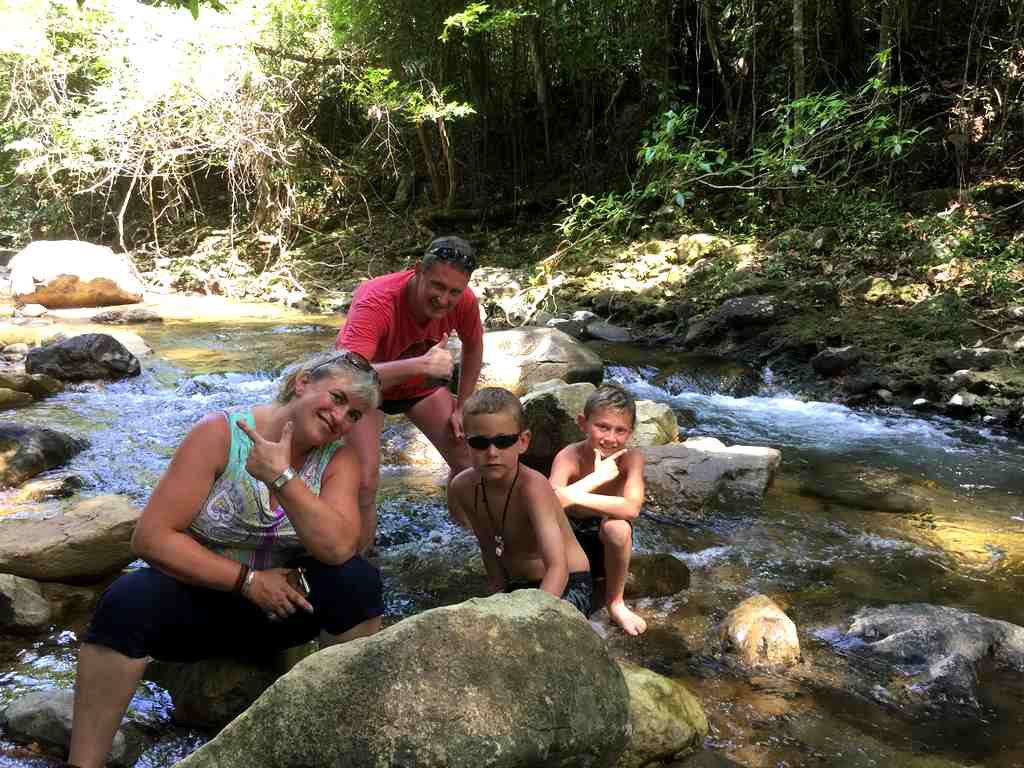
(362, 378)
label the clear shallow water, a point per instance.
(869, 508)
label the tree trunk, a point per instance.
(799, 87)
(711, 34)
(428, 158)
(885, 39)
(540, 75)
(446, 153)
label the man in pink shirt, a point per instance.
(401, 322)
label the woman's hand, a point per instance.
(271, 591)
(268, 460)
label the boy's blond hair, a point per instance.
(494, 400)
(613, 397)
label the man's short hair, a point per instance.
(613, 397)
(449, 250)
(494, 400)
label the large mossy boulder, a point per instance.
(87, 542)
(507, 681)
(70, 273)
(27, 451)
(84, 357)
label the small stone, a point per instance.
(884, 395)
(33, 310)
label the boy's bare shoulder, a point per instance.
(571, 452)
(463, 482)
(533, 485)
(632, 457)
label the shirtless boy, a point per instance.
(524, 536)
(600, 483)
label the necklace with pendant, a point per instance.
(499, 537)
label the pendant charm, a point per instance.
(499, 546)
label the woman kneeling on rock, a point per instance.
(251, 534)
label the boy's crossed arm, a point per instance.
(581, 492)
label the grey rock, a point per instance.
(598, 329)
(938, 648)
(22, 604)
(45, 717)
(122, 316)
(33, 310)
(977, 358)
(584, 316)
(10, 398)
(84, 357)
(571, 327)
(685, 476)
(384, 700)
(18, 348)
(518, 358)
(823, 238)
(836, 360)
(656, 575)
(28, 451)
(38, 385)
(551, 418)
(212, 692)
(748, 310)
(89, 541)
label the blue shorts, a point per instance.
(148, 613)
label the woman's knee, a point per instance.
(346, 595)
(130, 610)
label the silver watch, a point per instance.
(284, 477)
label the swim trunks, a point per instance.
(578, 592)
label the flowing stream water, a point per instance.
(869, 508)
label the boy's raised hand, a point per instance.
(267, 460)
(606, 470)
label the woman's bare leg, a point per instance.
(104, 685)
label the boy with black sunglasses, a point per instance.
(524, 536)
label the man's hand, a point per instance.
(455, 421)
(268, 460)
(437, 361)
(605, 470)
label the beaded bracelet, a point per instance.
(243, 575)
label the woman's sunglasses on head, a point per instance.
(353, 359)
(481, 443)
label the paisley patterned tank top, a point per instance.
(237, 521)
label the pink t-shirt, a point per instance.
(381, 327)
